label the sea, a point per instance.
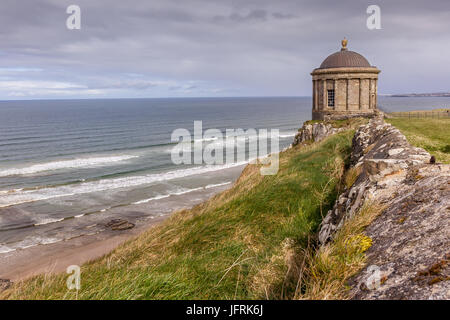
(67, 167)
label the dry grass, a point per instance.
(351, 176)
(327, 270)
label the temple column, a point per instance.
(347, 95)
(335, 86)
(317, 94)
(360, 94)
(314, 94)
(375, 106)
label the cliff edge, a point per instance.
(409, 256)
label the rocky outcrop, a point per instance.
(409, 258)
(410, 254)
(120, 224)
(380, 155)
(314, 132)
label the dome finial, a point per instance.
(344, 44)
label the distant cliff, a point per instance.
(435, 94)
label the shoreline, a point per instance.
(56, 257)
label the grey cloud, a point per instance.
(127, 84)
(253, 15)
(279, 15)
(236, 17)
(250, 47)
(258, 14)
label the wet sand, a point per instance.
(56, 257)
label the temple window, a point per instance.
(331, 98)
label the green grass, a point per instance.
(435, 113)
(431, 134)
(244, 243)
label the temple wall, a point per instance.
(355, 91)
(320, 94)
(341, 95)
(365, 94)
(353, 95)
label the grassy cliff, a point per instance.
(244, 243)
(431, 134)
(252, 241)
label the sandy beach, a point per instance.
(56, 257)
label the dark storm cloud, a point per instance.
(212, 47)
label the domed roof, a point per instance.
(345, 59)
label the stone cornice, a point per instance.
(319, 71)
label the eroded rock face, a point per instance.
(411, 239)
(412, 235)
(383, 157)
(315, 132)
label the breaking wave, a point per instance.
(180, 192)
(28, 242)
(64, 164)
(46, 193)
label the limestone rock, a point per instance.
(411, 236)
(411, 240)
(384, 156)
(315, 132)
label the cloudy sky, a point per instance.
(194, 48)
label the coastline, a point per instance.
(56, 257)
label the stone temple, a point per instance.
(345, 85)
